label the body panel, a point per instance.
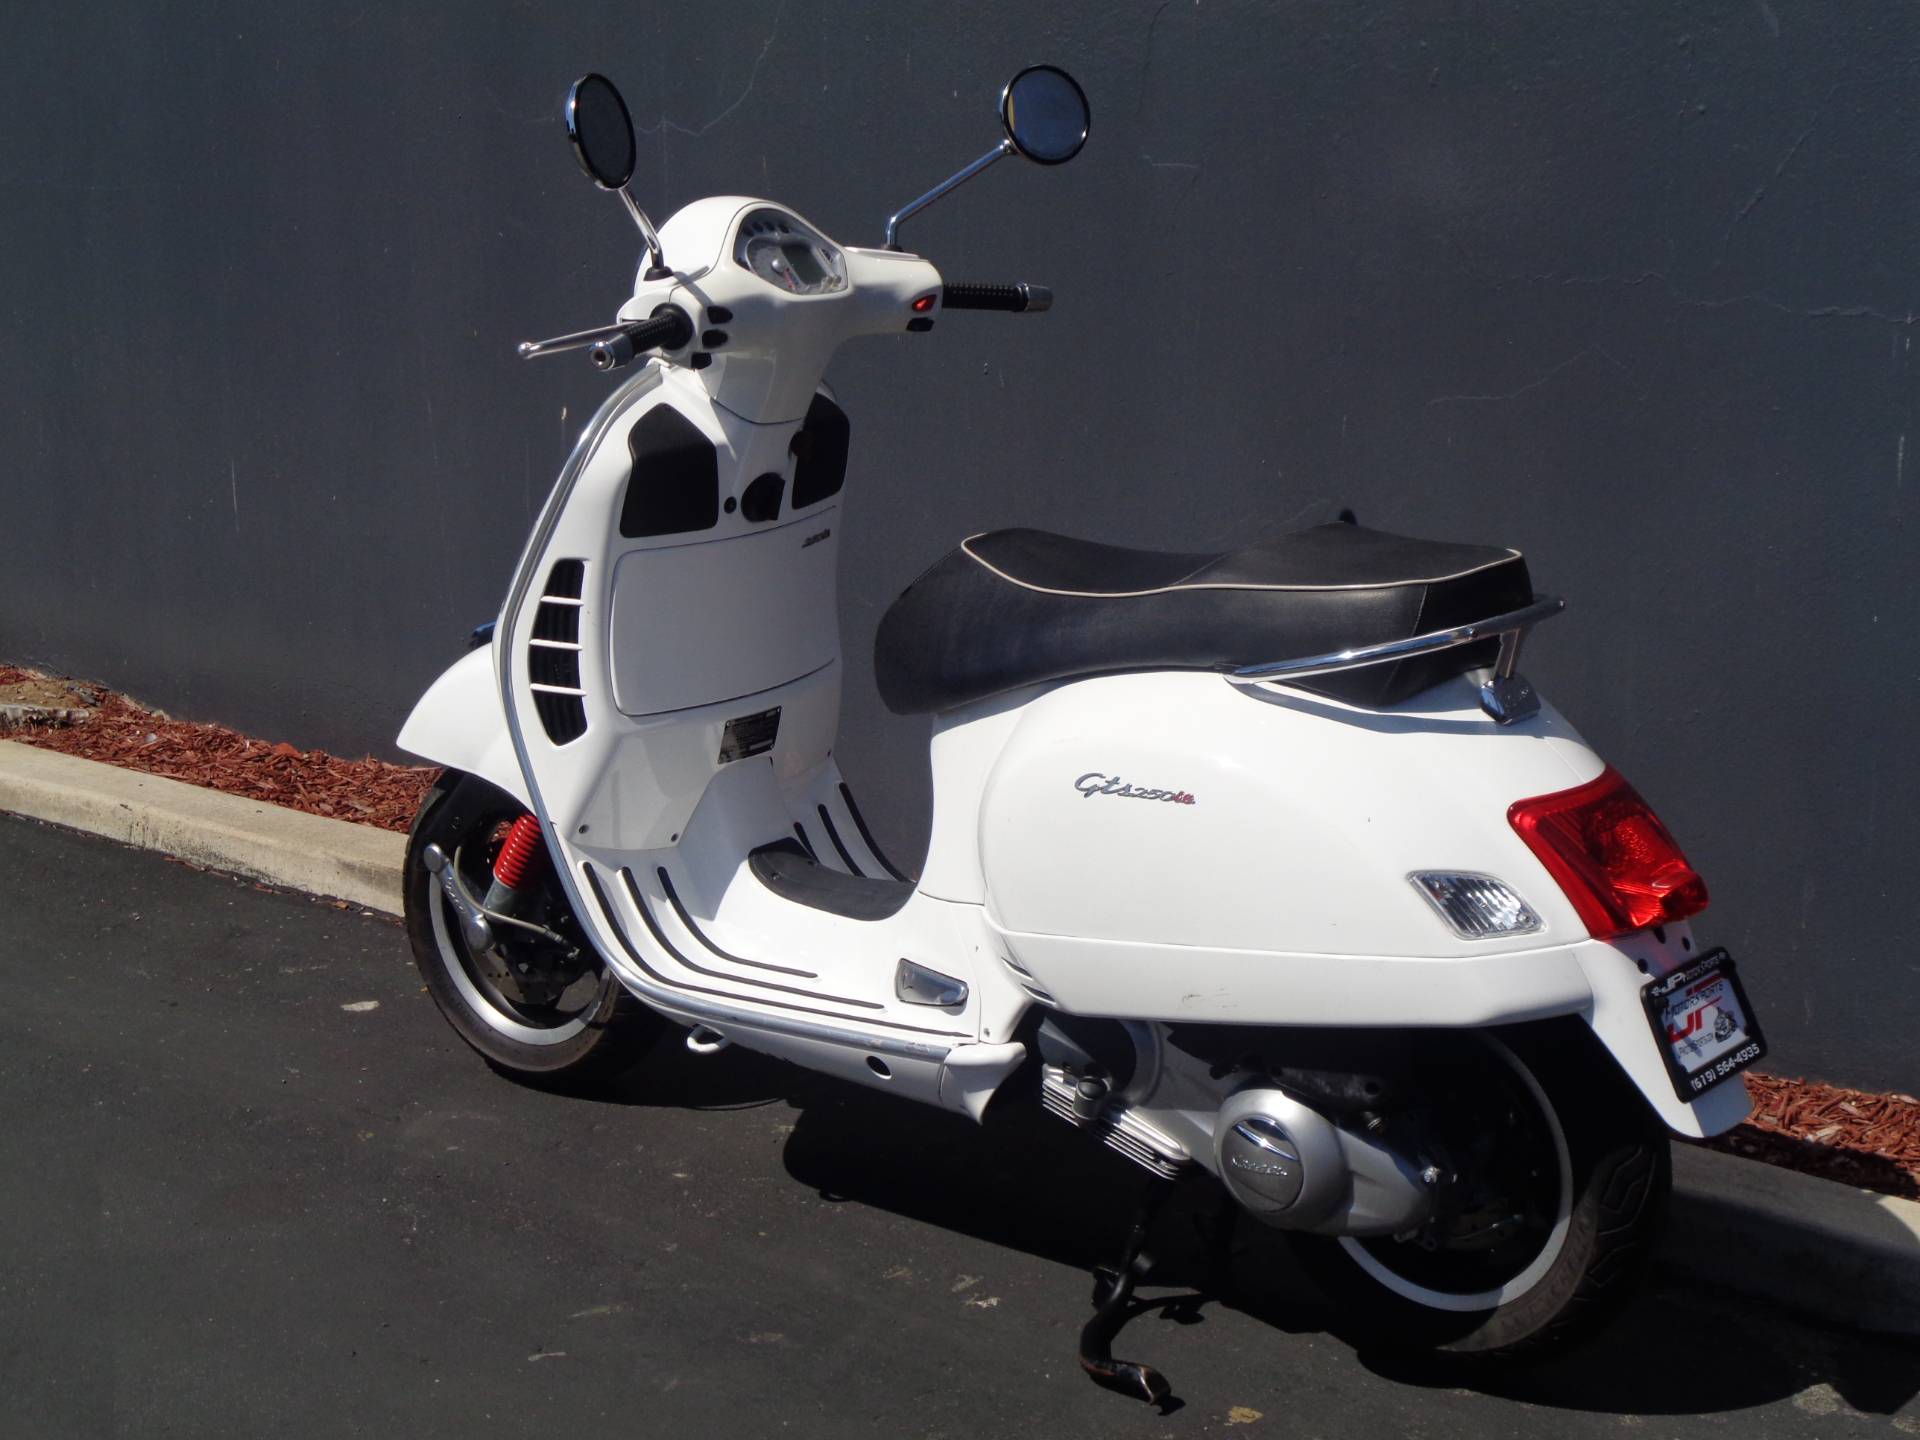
(705, 622)
(458, 724)
(1289, 823)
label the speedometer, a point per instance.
(788, 255)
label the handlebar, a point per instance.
(668, 329)
(1015, 299)
(612, 346)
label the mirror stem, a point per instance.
(658, 270)
(959, 177)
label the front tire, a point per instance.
(573, 1025)
(1570, 1175)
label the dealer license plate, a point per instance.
(1704, 1024)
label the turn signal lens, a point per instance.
(1611, 855)
(1478, 907)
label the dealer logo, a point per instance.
(1094, 783)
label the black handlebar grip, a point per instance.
(1015, 299)
(667, 329)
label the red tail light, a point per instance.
(1611, 855)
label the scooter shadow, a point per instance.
(1024, 1181)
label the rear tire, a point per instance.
(1591, 1144)
(593, 1031)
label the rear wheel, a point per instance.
(1558, 1178)
(536, 1009)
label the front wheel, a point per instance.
(547, 1013)
(1558, 1175)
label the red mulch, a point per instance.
(121, 732)
(1854, 1136)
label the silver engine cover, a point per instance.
(1283, 1161)
(1292, 1167)
(1280, 1160)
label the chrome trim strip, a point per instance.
(1514, 621)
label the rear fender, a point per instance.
(1618, 1020)
(458, 723)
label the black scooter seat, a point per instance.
(1021, 607)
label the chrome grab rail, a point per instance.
(1505, 696)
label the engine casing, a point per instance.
(1279, 1159)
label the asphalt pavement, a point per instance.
(240, 1199)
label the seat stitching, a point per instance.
(966, 547)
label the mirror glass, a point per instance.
(601, 131)
(1045, 114)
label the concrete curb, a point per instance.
(1826, 1251)
(209, 827)
(1834, 1254)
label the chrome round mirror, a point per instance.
(1045, 114)
(600, 131)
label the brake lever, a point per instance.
(579, 340)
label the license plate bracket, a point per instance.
(1703, 1024)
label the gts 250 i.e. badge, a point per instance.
(1094, 783)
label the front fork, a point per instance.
(510, 914)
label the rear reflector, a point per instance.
(1611, 855)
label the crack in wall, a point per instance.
(1534, 384)
(1841, 310)
(1760, 191)
(753, 78)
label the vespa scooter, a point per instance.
(1266, 867)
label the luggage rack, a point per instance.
(1505, 696)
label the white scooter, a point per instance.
(1264, 866)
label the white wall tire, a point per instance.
(602, 1030)
(1610, 1172)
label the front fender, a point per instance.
(1619, 1021)
(458, 723)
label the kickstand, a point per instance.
(1112, 1294)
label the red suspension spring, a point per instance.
(521, 856)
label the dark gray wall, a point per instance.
(1628, 286)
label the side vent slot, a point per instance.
(553, 654)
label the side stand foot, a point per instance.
(1112, 1295)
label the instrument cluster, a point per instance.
(788, 254)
